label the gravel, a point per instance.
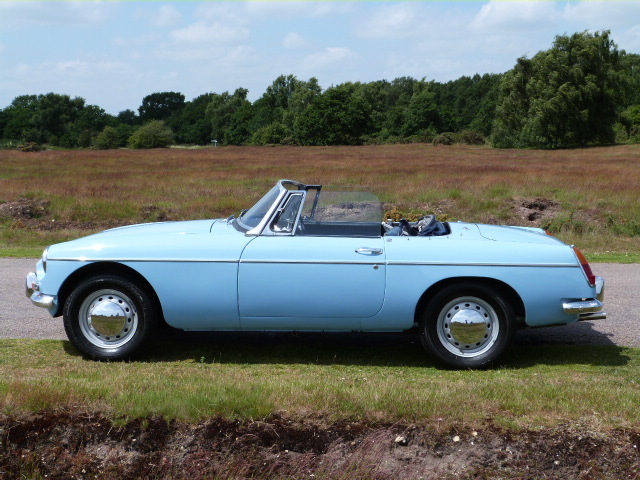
(20, 319)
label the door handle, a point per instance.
(369, 251)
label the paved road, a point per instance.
(20, 319)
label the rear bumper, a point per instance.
(32, 290)
(589, 309)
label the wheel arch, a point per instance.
(105, 268)
(506, 290)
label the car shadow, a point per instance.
(531, 347)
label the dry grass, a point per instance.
(594, 188)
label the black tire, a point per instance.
(108, 317)
(467, 326)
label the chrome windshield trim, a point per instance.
(278, 211)
(257, 230)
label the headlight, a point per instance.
(44, 259)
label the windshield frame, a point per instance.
(282, 190)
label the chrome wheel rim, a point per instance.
(108, 318)
(468, 327)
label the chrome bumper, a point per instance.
(32, 290)
(588, 309)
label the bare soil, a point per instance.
(61, 445)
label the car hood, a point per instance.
(162, 228)
(195, 240)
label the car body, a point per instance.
(294, 262)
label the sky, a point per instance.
(113, 53)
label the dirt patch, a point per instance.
(63, 445)
(24, 209)
(153, 213)
(536, 210)
(34, 214)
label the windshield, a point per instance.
(251, 218)
(334, 206)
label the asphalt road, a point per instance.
(20, 319)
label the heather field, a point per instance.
(584, 196)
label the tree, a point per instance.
(630, 66)
(337, 117)
(160, 106)
(154, 134)
(89, 122)
(274, 102)
(562, 97)
(128, 117)
(238, 131)
(422, 113)
(221, 111)
(191, 124)
(42, 118)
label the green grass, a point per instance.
(363, 377)
(27, 243)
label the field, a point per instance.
(283, 406)
(587, 197)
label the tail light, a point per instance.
(585, 266)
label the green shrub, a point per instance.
(271, 134)
(445, 138)
(154, 134)
(107, 139)
(30, 147)
(471, 137)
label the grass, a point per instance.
(362, 377)
(593, 190)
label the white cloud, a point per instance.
(501, 16)
(222, 12)
(203, 32)
(294, 41)
(227, 55)
(290, 9)
(329, 57)
(603, 15)
(75, 68)
(166, 16)
(15, 15)
(630, 39)
(393, 21)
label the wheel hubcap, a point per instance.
(108, 318)
(468, 326)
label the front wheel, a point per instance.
(467, 326)
(108, 317)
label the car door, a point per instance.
(293, 281)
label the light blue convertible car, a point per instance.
(307, 259)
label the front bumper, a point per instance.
(32, 290)
(590, 309)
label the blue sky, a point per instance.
(113, 53)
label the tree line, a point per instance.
(583, 90)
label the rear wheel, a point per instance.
(108, 317)
(467, 326)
